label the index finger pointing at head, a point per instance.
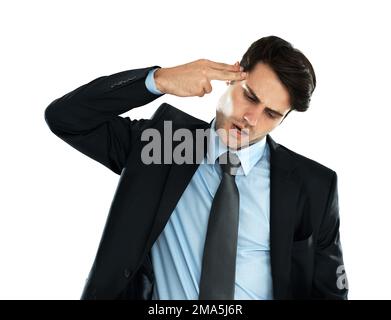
(214, 74)
(223, 66)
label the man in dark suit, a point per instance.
(162, 239)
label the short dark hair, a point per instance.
(291, 66)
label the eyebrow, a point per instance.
(254, 96)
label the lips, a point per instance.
(236, 126)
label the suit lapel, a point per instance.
(178, 178)
(284, 194)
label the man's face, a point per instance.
(252, 108)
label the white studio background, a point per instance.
(54, 200)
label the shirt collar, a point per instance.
(248, 156)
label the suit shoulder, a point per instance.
(167, 112)
(309, 166)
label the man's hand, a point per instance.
(193, 78)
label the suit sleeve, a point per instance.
(88, 118)
(330, 281)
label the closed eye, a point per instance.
(249, 98)
(271, 115)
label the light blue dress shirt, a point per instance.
(177, 252)
(150, 82)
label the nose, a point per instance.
(251, 119)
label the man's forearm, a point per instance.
(98, 101)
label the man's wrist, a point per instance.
(158, 79)
(150, 82)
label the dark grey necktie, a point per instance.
(217, 280)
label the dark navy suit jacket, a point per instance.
(305, 248)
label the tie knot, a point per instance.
(229, 163)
